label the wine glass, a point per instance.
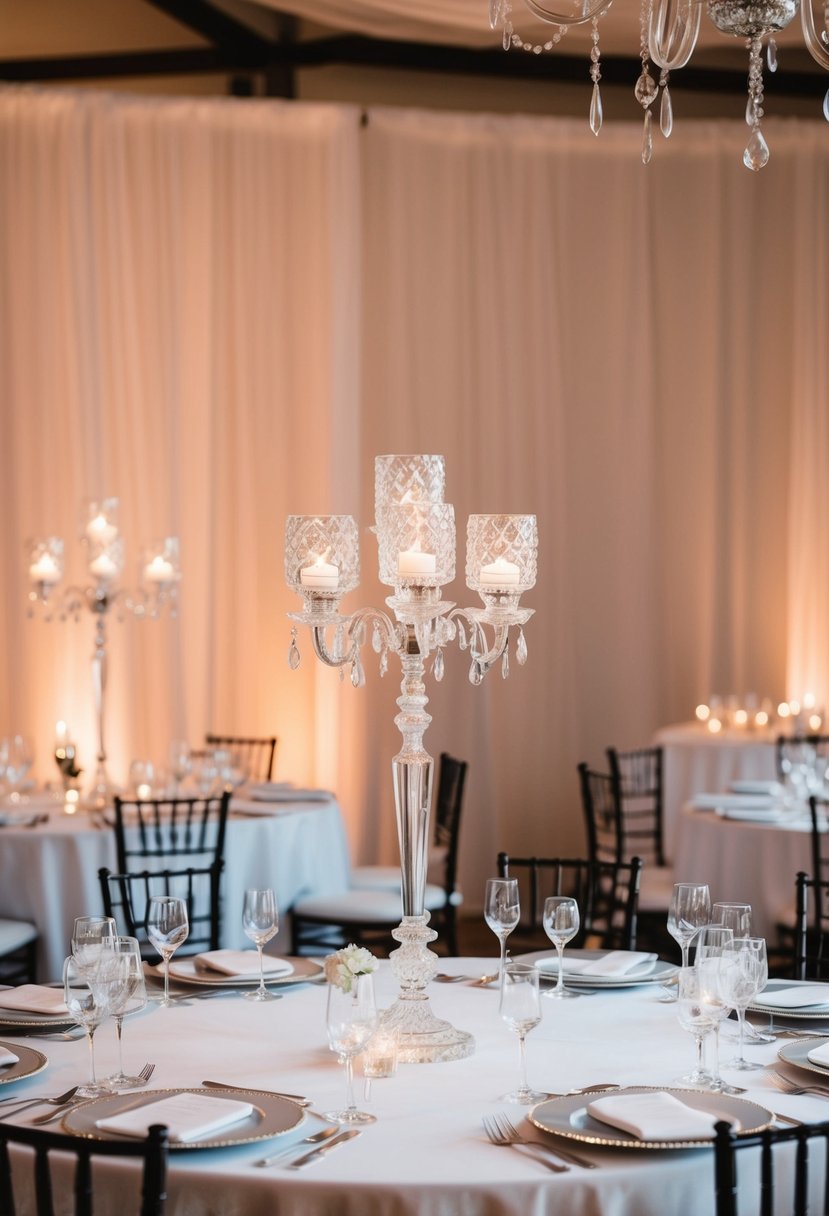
(129, 996)
(181, 763)
(689, 910)
(87, 1003)
(19, 757)
(167, 929)
(743, 971)
(352, 1020)
(710, 945)
(694, 1014)
(260, 920)
(501, 911)
(520, 1008)
(561, 923)
(89, 935)
(736, 917)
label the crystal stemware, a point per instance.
(89, 935)
(129, 995)
(181, 762)
(520, 1008)
(689, 910)
(501, 911)
(18, 759)
(86, 993)
(561, 924)
(694, 1014)
(260, 920)
(736, 917)
(167, 929)
(743, 971)
(352, 1020)
(711, 942)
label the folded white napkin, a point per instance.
(819, 1055)
(710, 802)
(187, 1116)
(752, 814)
(772, 788)
(7, 1057)
(656, 1116)
(33, 998)
(795, 998)
(241, 962)
(614, 963)
(290, 794)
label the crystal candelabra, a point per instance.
(158, 590)
(415, 531)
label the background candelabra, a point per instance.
(156, 592)
(415, 531)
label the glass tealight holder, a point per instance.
(100, 522)
(106, 561)
(322, 558)
(46, 562)
(417, 545)
(501, 555)
(161, 564)
(403, 479)
(380, 1057)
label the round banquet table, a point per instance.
(49, 873)
(697, 762)
(427, 1154)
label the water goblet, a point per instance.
(561, 924)
(352, 1020)
(689, 910)
(743, 972)
(260, 920)
(520, 1008)
(181, 763)
(167, 929)
(736, 917)
(18, 757)
(710, 945)
(693, 1013)
(87, 1005)
(501, 911)
(128, 996)
(89, 935)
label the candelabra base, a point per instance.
(102, 791)
(422, 1038)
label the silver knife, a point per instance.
(307, 1158)
(299, 1099)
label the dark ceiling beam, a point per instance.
(236, 39)
(353, 50)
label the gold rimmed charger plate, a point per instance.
(28, 1063)
(272, 1116)
(819, 1013)
(797, 1053)
(568, 1117)
(185, 971)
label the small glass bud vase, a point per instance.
(417, 545)
(405, 479)
(501, 555)
(322, 559)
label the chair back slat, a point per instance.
(126, 897)
(728, 1142)
(186, 831)
(638, 776)
(253, 756)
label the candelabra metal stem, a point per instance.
(102, 789)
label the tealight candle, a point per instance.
(761, 718)
(413, 562)
(714, 725)
(703, 713)
(159, 570)
(103, 566)
(100, 531)
(321, 576)
(143, 791)
(740, 717)
(500, 573)
(815, 722)
(44, 570)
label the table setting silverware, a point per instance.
(502, 1132)
(793, 1087)
(321, 1149)
(565, 1154)
(21, 1104)
(299, 1099)
(326, 1133)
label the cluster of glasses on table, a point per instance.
(16, 759)
(202, 774)
(730, 970)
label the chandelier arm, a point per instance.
(490, 654)
(688, 40)
(562, 19)
(814, 44)
(355, 622)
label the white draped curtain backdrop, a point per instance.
(220, 311)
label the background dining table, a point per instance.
(49, 872)
(427, 1154)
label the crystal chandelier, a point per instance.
(668, 32)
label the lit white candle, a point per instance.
(100, 531)
(714, 725)
(159, 570)
(143, 791)
(44, 570)
(61, 732)
(740, 717)
(103, 566)
(815, 721)
(321, 576)
(499, 573)
(809, 700)
(703, 713)
(412, 562)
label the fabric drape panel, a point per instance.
(221, 311)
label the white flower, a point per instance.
(343, 967)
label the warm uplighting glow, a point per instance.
(714, 725)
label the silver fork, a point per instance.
(53, 1116)
(791, 1087)
(21, 1104)
(146, 1072)
(509, 1129)
(504, 1140)
(316, 1138)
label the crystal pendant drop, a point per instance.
(596, 109)
(756, 155)
(339, 642)
(751, 117)
(376, 639)
(771, 55)
(293, 652)
(358, 676)
(521, 648)
(647, 140)
(506, 41)
(826, 106)
(666, 113)
(384, 662)
(646, 89)
(475, 673)
(494, 13)
(437, 666)
(462, 642)
(505, 665)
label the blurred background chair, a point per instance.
(728, 1143)
(253, 757)
(36, 1174)
(801, 759)
(606, 892)
(373, 906)
(18, 950)
(126, 896)
(169, 830)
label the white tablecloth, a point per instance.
(746, 862)
(696, 762)
(49, 874)
(427, 1154)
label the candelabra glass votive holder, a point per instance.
(417, 544)
(501, 553)
(322, 556)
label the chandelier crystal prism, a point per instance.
(669, 30)
(415, 532)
